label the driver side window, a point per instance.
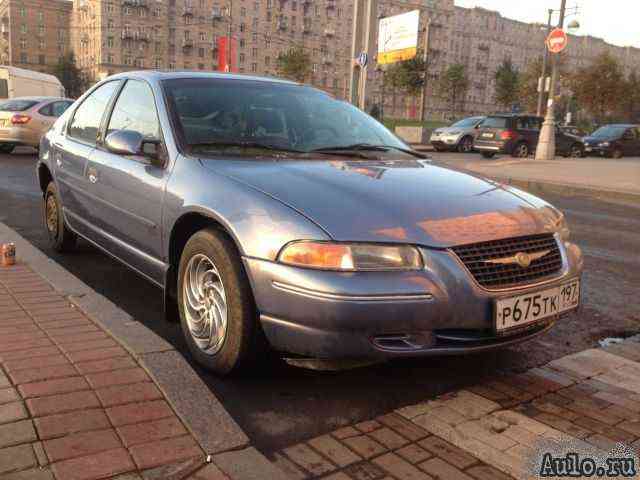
(135, 110)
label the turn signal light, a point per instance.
(507, 135)
(20, 119)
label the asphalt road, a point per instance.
(282, 404)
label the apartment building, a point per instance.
(481, 40)
(34, 34)
(111, 36)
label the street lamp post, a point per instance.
(547, 144)
(545, 60)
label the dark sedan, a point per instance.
(273, 215)
(614, 141)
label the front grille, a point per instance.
(497, 276)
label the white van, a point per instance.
(18, 82)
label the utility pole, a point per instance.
(425, 60)
(229, 34)
(547, 144)
(543, 79)
(364, 39)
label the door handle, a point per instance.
(59, 160)
(93, 178)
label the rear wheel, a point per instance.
(218, 315)
(6, 147)
(465, 145)
(577, 151)
(488, 154)
(521, 150)
(61, 239)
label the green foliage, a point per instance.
(408, 76)
(453, 85)
(600, 87)
(528, 88)
(69, 75)
(294, 64)
(507, 84)
(631, 98)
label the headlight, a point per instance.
(604, 144)
(562, 227)
(351, 256)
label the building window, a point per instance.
(127, 10)
(40, 17)
(23, 28)
(254, 37)
(254, 67)
(110, 59)
(41, 30)
(256, 6)
(172, 65)
(203, 36)
(241, 57)
(23, 57)
(157, 63)
(110, 42)
(41, 44)
(23, 43)
(242, 43)
(23, 12)
(243, 12)
(201, 53)
(267, 61)
(243, 27)
(254, 52)
(128, 60)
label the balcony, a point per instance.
(483, 47)
(141, 36)
(329, 32)
(127, 35)
(187, 44)
(306, 29)
(481, 67)
(331, 4)
(188, 12)
(327, 60)
(216, 13)
(135, 3)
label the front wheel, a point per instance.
(465, 145)
(6, 147)
(61, 239)
(617, 153)
(521, 150)
(488, 154)
(218, 315)
(576, 151)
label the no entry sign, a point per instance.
(557, 40)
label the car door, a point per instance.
(129, 190)
(628, 141)
(70, 155)
(50, 113)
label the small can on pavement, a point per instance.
(8, 254)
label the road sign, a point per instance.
(557, 40)
(362, 59)
(398, 37)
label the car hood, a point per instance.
(596, 140)
(448, 130)
(408, 201)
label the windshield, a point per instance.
(17, 105)
(221, 112)
(467, 122)
(609, 131)
(494, 122)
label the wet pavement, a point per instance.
(282, 404)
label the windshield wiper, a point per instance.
(367, 147)
(245, 144)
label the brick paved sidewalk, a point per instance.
(73, 403)
(589, 402)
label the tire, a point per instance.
(521, 150)
(61, 238)
(465, 145)
(223, 295)
(6, 147)
(488, 154)
(576, 151)
(617, 153)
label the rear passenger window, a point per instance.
(46, 111)
(522, 123)
(58, 108)
(85, 124)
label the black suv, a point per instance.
(614, 141)
(518, 135)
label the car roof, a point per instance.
(512, 115)
(620, 125)
(159, 75)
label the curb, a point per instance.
(537, 186)
(196, 406)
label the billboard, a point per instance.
(398, 37)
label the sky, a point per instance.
(616, 21)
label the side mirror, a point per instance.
(129, 142)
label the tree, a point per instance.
(631, 98)
(507, 84)
(69, 75)
(407, 76)
(528, 89)
(294, 64)
(599, 87)
(453, 85)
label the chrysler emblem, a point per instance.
(523, 259)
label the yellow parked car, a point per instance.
(24, 120)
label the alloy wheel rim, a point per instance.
(52, 215)
(466, 145)
(576, 152)
(523, 151)
(205, 304)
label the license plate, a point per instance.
(524, 310)
(487, 135)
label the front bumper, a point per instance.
(445, 142)
(438, 310)
(492, 146)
